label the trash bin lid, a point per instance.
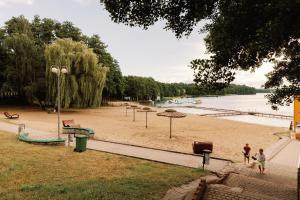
(80, 136)
(206, 151)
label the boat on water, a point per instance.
(197, 101)
(177, 102)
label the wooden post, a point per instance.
(133, 114)
(170, 127)
(146, 119)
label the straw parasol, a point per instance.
(171, 114)
(146, 110)
(133, 107)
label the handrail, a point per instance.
(298, 179)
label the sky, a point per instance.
(153, 53)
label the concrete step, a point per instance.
(260, 186)
(275, 173)
(223, 192)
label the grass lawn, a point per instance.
(55, 172)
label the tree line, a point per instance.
(143, 88)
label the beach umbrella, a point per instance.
(171, 114)
(133, 107)
(146, 110)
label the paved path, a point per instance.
(156, 155)
(289, 155)
(133, 151)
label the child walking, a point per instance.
(261, 159)
(246, 153)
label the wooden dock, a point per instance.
(223, 114)
(229, 112)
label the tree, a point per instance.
(44, 30)
(114, 85)
(4, 58)
(242, 34)
(22, 71)
(67, 30)
(83, 85)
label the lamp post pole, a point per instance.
(58, 104)
(58, 71)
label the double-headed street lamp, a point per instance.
(58, 71)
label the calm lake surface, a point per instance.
(254, 103)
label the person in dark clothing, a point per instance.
(246, 153)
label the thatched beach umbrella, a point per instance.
(146, 110)
(133, 107)
(171, 114)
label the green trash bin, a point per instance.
(80, 143)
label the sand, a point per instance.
(110, 123)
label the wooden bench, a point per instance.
(198, 147)
(11, 116)
(71, 128)
(70, 123)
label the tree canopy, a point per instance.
(83, 84)
(241, 35)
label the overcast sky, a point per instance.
(153, 52)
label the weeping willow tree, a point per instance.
(83, 84)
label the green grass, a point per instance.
(56, 172)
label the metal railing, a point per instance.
(298, 179)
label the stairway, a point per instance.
(241, 182)
(247, 184)
(223, 192)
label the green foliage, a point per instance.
(83, 84)
(181, 89)
(114, 86)
(142, 88)
(180, 16)
(23, 66)
(242, 34)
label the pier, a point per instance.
(229, 112)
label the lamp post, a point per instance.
(206, 157)
(58, 71)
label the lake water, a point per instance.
(254, 103)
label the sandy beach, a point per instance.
(110, 123)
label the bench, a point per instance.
(25, 138)
(198, 147)
(11, 116)
(74, 130)
(70, 123)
